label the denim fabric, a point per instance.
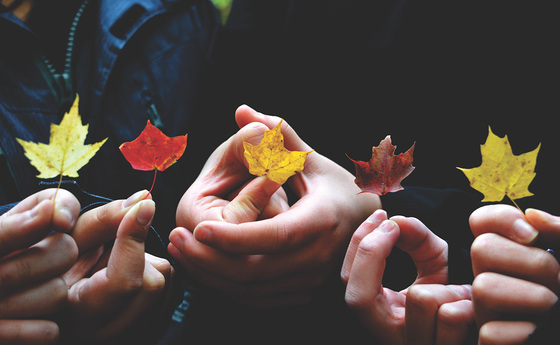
(142, 60)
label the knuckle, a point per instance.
(155, 283)
(59, 291)
(544, 262)
(357, 300)
(67, 245)
(482, 284)
(482, 245)
(419, 295)
(132, 284)
(284, 237)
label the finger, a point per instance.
(222, 175)
(66, 207)
(423, 302)
(547, 225)
(428, 251)
(505, 332)
(365, 279)
(496, 295)
(153, 285)
(49, 258)
(99, 225)
(245, 115)
(43, 299)
(271, 291)
(35, 217)
(279, 234)
(123, 277)
(36, 332)
(454, 322)
(83, 266)
(365, 228)
(242, 276)
(504, 220)
(251, 201)
(516, 260)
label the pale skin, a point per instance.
(73, 274)
(238, 234)
(427, 312)
(56, 283)
(38, 288)
(512, 277)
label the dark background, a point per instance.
(345, 74)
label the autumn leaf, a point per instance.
(66, 152)
(153, 150)
(502, 173)
(272, 159)
(384, 171)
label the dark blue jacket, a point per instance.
(133, 61)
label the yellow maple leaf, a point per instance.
(272, 159)
(502, 173)
(66, 152)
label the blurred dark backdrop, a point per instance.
(345, 74)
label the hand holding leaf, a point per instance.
(272, 159)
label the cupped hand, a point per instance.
(238, 234)
(32, 263)
(427, 312)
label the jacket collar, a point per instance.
(118, 21)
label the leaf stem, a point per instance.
(154, 182)
(513, 201)
(57, 188)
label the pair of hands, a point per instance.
(515, 283)
(240, 235)
(70, 279)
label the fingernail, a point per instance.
(202, 234)
(65, 213)
(544, 216)
(523, 231)
(377, 216)
(387, 226)
(176, 238)
(134, 198)
(145, 212)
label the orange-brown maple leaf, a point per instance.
(384, 171)
(153, 150)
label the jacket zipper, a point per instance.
(61, 83)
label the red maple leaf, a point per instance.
(384, 171)
(153, 150)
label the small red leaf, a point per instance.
(384, 171)
(153, 150)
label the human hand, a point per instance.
(427, 312)
(256, 247)
(127, 286)
(32, 263)
(515, 284)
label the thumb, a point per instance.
(245, 115)
(251, 201)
